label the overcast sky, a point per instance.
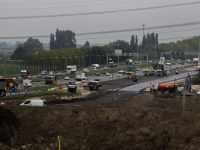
(98, 22)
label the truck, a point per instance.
(128, 61)
(49, 79)
(94, 85)
(111, 63)
(71, 69)
(172, 88)
(72, 87)
(130, 72)
(149, 71)
(79, 76)
(95, 67)
(161, 70)
(25, 73)
(9, 82)
(2, 87)
(195, 61)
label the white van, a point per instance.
(34, 102)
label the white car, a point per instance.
(107, 74)
(140, 62)
(105, 68)
(85, 70)
(150, 61)
(138, 69)
(66, 78)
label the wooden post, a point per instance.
(194, 100)
(183, 97)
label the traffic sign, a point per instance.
(60, 86)
(54, 82)
(11, 84)
(13, 89)
(150, 82)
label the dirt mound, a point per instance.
(9, 126)
(106, 128)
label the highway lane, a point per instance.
(127, 92)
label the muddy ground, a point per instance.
(105, 128)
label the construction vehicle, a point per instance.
(25, 73)
(135, 78)
(150, 71)
(146, 72)
(172, 88)
(176, 71)
(161, 70)
(72, 87)
(10, 82)
(2, 87)
(128, 61)
(130, 72)
(168, 71)
(94, 85)
(49, 79)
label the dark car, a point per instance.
(97, 74)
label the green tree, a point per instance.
(65, 39)
(52, 42)
(87, 44)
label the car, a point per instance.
(59, 73)
(150, 61)
(39, 76)
(135, 62)
(173, 63)
(85, 70)
(105, 68)
(97, 74)
(107, 74)
(66, 78)
(140, 62)
(138, 69)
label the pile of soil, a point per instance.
(106, 128)
(9, 126)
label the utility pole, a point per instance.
(143, 29)
(186, 51)
(113, 101)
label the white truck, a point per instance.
(50, 73)
(195, 61)
(79, 76)
(95, 67)
(71, 69)
(129, 61)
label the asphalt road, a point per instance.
(127, 92)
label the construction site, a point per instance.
(147, 120)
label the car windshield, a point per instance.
(128, 73)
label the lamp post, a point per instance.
(155, 49)
(186, 51)
(90, 58)
(171, 51)
(100, 58)
(44, 63)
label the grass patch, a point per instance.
(39, 94)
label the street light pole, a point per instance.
(155, 49)
(171, 51)
(137, 54)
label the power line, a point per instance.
(113, 31)
(97, 13)
(69, 6)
